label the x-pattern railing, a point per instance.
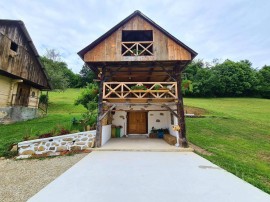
(125, 90)
(139, 48)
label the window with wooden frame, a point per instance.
(137, 43)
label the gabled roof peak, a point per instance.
(135, 13)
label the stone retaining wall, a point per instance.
(53, 146)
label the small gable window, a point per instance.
(13, 46)
(137, 43)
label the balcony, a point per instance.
(142, 92)
(139, 48)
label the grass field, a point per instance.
(236, 132)
(60, 112)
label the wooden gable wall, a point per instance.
(110, 48)
(23, 63)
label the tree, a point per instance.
(264, 81)
(234, 78)
(56, 74)
(52, 54)
(87, 76)
(61, 77)
(89, 99)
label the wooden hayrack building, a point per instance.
(140, 65)
(22, 75)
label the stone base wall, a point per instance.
(53, 146)
(17, 113)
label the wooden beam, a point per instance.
(180, 110)
(100, 118)
(145, 110)
(172, 111)
(100, 107)
(170, 75)
(113, 72)
(127, 104)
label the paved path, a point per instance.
(140, 144)
(150, 177)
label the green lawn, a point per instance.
(60, 112)
(237, 133)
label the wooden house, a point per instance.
(140, 65)
(22, 75)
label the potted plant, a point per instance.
(137, 87)
(157, 87)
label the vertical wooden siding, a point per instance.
(24, 64)
(110, 48)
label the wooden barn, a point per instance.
(139, 65)
(22, 75)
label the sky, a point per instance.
(227, 29)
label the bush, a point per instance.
(89, 94)
(43, 99)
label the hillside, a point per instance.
(235, 131)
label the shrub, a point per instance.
(43, 99)
(138, 87)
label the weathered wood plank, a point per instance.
(23, 62)
(163, 47)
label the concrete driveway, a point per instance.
(147, 176)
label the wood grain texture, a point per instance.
(23, 63)
(110, 49)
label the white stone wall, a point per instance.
(54, 145)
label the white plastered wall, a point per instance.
(156, 119)
(120, 119)
(106, 134)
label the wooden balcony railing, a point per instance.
(141, 92)
(139, 48)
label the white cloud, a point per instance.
(234, 29)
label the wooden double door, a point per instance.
(22, 96)
(137, 122)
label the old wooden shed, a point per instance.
(22, 75)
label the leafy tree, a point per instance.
(87, 76)
(56, 73)
(204, 83)
(61, 77)
(89, 99)
(264, 82)
(187, 86)
(88, 95)
(228, 78)
(234, 78)
(52, 54)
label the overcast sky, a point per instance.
(234, 29)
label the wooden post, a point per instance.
(180, 110)
(100, 109)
